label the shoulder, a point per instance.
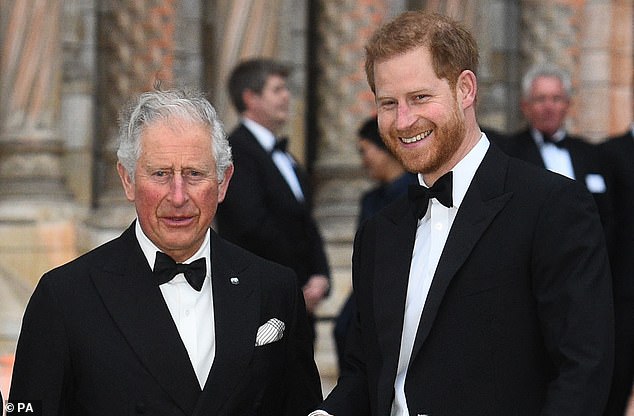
(237, 258)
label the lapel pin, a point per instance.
(234, 280)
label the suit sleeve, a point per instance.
(572, 289)
(303, 385)
(41, 368)
(351, 396)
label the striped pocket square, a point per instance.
(271, 331)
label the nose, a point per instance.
(405, 118)
(178, 190)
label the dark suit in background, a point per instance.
(587, 167)
(267, 208)
(261, 213)
(618, 158)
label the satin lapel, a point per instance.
(396, 232)
(484, 199)
(236, 314)
(137, 306)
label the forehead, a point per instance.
(176, 136)
(547, 84)
(405, 72)
(274, 81)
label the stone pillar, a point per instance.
(30, 71)
(36, 208)
(605, 68)
(550, 31)
(135, 49)
(344, 101)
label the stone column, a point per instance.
(36, 208)
(605, 68)
(343, 100)
(30, 71)
(550, 31)
(135, 49)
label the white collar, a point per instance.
(465, 170)
(149, 248)
(264, 136)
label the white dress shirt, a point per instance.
(431, 234)
(284, 162)
(556, 159)
(192, 311)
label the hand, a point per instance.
(315, 290)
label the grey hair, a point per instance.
(545, 70)
(154, 106)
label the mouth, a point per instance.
(417, 138)
(177, 220)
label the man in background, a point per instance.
(545, 101)
(267, 208)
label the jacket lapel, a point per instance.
(236, 315)
(391, 275)
(137, 306)
(483, 200)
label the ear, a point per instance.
(467, 88)
(126, 181)
(224, 185)
(248, 96)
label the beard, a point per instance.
(447, 139)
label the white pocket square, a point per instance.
(271, 331)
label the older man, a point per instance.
(168, 319)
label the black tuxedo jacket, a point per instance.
(98, 339)
(586, 160)
(261, 213)
(518, 319)
(618, 157)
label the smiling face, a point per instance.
(421, 118)
(175, 189)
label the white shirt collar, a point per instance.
(149, 248)
(465, 170)
(264, 136)
(539, 137)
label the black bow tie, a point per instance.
(550, 139)
(165, 268)
(280, 145)
(421, 195)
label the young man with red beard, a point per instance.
(486, 290)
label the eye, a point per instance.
(386, 104)
(160, 173)
(194, 175)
